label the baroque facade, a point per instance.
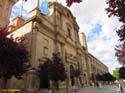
(96, 66)
(55, 32)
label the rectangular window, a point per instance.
(45, 51)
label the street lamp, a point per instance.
(67, 75)
(67, 82)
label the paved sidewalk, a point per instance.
(104, 89)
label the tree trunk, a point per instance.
(3, 86)
(57, 85)
(4, 83)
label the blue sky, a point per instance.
(16, 11)
(92, 20)
(44, 7)
(94, 32)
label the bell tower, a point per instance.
(83, 41)
(5, 11)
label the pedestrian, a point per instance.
(82, 85)
(49, 91)
(93, 84)
(100, 85)
(75, 88)
(119, 87)
(97, 84)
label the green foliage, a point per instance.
(116, 73)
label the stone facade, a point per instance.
(5, 11)
(96, 66)
(57, 32)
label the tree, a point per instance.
(99, 77)
(108, 77)
(57, 69)
(122, 72)
(116, 73)
(77, 73)
(44, 73)
(52, 69)
(93, 77)
(117, 8)
(69, 2)
(24, 0)
(120, 53)
(13, 56)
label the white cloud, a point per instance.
(88, 13)
(94, 12)
(29, 5)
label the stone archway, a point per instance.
(72, 75)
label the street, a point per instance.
(104, 89)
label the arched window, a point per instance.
(68, 32)
(72, 74)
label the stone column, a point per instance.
(33, 81)
(33, 42)
(32, 75)
(68, 74)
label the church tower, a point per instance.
(5, 11)
(83, 41)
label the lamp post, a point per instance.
(67, 83)
(95, 75)
(67, 79)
